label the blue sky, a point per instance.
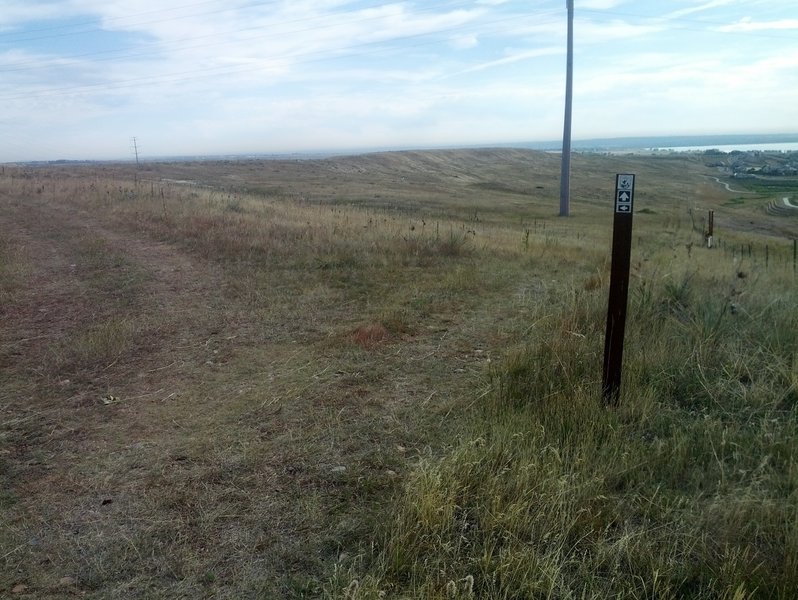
(80, 78)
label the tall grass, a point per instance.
(689, 489)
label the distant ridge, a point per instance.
(586, 145)
(636, 143)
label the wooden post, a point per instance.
(619, 288)
(710, 227)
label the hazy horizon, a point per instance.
(724, 143)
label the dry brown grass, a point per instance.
(215, 389)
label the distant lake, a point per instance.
(775, 147)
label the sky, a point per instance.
(80, 79)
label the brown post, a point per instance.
(619, 288)
(710, 228)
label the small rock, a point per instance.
(338, 469)
(19, 588)
(66, 581)
(391, 473)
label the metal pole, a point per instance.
(565, 174)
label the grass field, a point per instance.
(379, 377)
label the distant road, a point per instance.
(728, 187)
(787, 202)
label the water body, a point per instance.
(773, 147)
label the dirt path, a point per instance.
(111, 349)
(166, 435)
(729, 188)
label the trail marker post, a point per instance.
(619, 287)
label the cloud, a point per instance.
(270, 75)
(18, 12)
(598, 4)
(590, 32)
(747, 24)
(464, 42)
(513, 57)
(684, 12)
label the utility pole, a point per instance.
(565, 174)
(136, 150)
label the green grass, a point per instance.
(772, 185)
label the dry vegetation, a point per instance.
(377, 376)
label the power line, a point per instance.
(195, 74)
(176, 45)
(329, 54)
(448, 6)
(704, 22)
(95, 29)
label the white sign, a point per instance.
(624, 193)
(626, 182)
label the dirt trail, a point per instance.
(145, 399)
(219, 422)
(729, 188)
(103, 331)
(68, 251)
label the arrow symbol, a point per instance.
(624, 208)
(623, 197)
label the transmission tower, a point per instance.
(136, 151)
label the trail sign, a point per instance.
(619, 287)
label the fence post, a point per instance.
(710, 227)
